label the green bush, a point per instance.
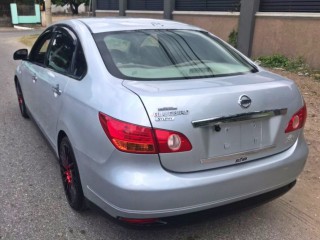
(233, 38)
(280, 61)
(296, 65)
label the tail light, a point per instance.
(132, 138)
(298, 120)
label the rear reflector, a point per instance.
(132, 138)
(298, 120)
(169, 141)
(139, 221)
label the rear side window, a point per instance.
(168, 54)
(80, 64)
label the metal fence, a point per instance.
(108, 5)
(214, 5)
(154, 5)
(289, 6)
(5, 14)
(5, 8)
(26, 9)
(208, 5)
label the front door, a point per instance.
(33, 72)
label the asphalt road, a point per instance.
(33, 205)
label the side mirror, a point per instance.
(21, 54)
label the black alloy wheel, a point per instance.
(22, 105)
(70, 176)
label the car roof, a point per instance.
(98, 25)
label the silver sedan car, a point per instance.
(154, 118)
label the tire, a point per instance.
(22, 104)
(70, 176)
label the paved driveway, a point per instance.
(33, 205)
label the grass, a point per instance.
(282, 62)
(29, 40)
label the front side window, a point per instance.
(168, 54)
(40, 48)
(61, 52)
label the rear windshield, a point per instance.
(168, 54)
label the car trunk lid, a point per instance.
(209, 113)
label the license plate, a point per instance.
(239, 137)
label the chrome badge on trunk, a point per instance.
(244, 101)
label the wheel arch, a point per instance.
(80, 203)
(61, 135)
(16, 80)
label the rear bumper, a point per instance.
(149, 191)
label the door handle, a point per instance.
(34, 78)
(56, 90)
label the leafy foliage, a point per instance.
(284, 63)
(233, 38)
(280, 61)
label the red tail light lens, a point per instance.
(298, 120)
(128, 137)
(132, 138)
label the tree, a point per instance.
(74, 4)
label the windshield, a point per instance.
(168, 54)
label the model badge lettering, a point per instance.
(242, 159)
(164, 119)
(167, 109)
(168, 113)
(171, 113)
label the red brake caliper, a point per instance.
(68, 176)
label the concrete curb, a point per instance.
(22, 28)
